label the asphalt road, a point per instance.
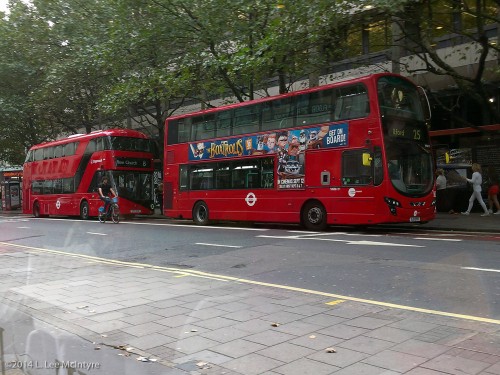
(452, 272)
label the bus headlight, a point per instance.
(392, 203)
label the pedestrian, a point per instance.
(441, 200)
(493, 190)
(476, 180)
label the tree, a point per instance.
(468, 24)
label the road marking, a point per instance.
(219, 245)
(98, 234)
(438, 239)
(347, 242)
(202, 274)
(23, 227)
(480, 269)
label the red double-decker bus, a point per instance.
(355, 152)
(62, 177)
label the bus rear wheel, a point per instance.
(200, 213)
(84, 210)
(314, 216)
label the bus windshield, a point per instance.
(410, 167)
(134, 186)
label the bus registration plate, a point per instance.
(414, 219)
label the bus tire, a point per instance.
(314, 216)
(84, 210)
(200, 213)
(36, 209)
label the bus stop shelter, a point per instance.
(11, 188)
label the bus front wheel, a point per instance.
(314, 216)
(200, 213)
(84, 210)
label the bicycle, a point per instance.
(113, 212)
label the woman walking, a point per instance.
(476, 180)
(493, 190)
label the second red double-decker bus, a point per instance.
(62, 177)
(355, 152)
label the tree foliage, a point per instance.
(73, 65)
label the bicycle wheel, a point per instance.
(115, 214)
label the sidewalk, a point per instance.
(138, 319)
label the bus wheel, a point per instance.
(36, 209)
(84, 210)
(200, 213)
(314, 216)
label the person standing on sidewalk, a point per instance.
(441, 201)
(476, 180)
(493, 190)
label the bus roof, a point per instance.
(341, 82)
(91, 135)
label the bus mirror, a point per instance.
(367, 159)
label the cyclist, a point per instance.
(104, 193)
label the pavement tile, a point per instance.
(143, 329)
(366, 344)
(140, 318)
(343, 331)
(269, 337)
(286, 352)
(237, 348)
(394, 361)
(252, 364)
(113, 315)
(207, 313)
(421, 348)
(298, 328)
(324, 320)
(225, 334)
(150, 341)
(392, 334)
(166, 303)
(306, 366)
(172, 311)
(483, 343)
(234, 306)
(243, 315)
(204, 356)
(316, 341)
(282, 317)
(308, 310)
(495, 369)
(365, 369)
(192, 345)
(413, 325)
(215, 323)
(367, 322)
(424, 371)
(253, 326)
(342, 358)
(177, 321)
(107, 326)
(456, 365)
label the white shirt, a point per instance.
(476, 181)
(441, 182)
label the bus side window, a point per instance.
(246, 119)
(353, 170)
(224, 123)
(314, 108)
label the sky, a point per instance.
(3, 5)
